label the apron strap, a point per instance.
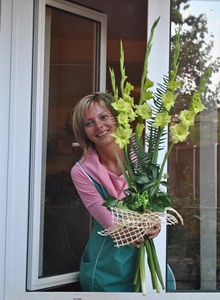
(102, 191)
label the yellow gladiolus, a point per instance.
(128, 88)
(196, 104)
(144, 111)
(174, 84)
(187, 117)
(161, 119)
(128, 99)
(125, 118)
(139, 129)
(122, 136)
(121, 105)
(179, 133)
(168, 100)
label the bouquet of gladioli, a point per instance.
(145, 200)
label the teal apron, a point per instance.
(106, 268)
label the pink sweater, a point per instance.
(91, 198)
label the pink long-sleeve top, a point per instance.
(88, 193)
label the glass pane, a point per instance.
(71, 68)
(194, 168)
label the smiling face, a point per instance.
(99, 124)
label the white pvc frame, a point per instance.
(39, 131)
(5, 75)
(16, 76)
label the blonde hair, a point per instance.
(78, 115)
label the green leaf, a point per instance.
(154, 170)
(162, 201)
(153, 191)
(164, 183)
(150, 184)
(142, 179)
(133, 206)
(110, 202)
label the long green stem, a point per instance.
(122, 69)
(156, 147)
(148, 50)
(154, 268)
(150, 254)
(142, 269)
(127, 172)
(175, 62)
(137, 275)
(163, 163)
(129, 169)
(138, 282)
(157, 265)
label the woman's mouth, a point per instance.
(102, 133)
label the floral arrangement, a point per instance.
(145, 202)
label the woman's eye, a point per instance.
(88, 123)
(104, 117)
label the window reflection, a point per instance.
(193, 249)
(70, 73)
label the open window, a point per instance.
(71, 62)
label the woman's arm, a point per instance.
(91, 198)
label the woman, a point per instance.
(103, 267)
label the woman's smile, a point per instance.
(102, 133)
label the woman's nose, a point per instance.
(98, 124)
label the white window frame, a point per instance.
(16, 59)
(5, 73)
(39, 132)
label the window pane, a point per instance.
(193, 249)
(71, 72)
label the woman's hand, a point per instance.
(151, 235)
(138, 242)
(154, 231)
